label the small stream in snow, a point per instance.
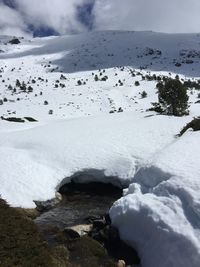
(79, 202)
(84, 210)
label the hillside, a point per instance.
(78, 106)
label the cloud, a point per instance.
(10, 22)
(59, 15)
(157, 15)
(21, 17)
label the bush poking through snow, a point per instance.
(137, 83)
(144, 94)
(14, 41)
(194, 125)
(79, 82)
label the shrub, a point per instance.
(96, 78)
(137, 83)
(194, 124)
(30, 89)
(79, 82)
(14, 41)
(144, 94)
(172, 97)
(23, 86)
(18, 84)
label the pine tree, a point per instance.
(172, 97)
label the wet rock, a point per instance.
(43, 206)
(121, 263)
(82, 229)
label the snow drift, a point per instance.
(160, 212)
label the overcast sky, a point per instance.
(47, 17)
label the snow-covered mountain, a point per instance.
(91, 117)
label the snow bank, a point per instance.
(160, 212)
(35, 161)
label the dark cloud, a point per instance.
(85, 14)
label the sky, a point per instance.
(58, 17)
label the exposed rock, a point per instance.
(43, 206)
(121, 263)
(82, 229)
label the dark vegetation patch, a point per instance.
(84, 251)
(194, 125)
(15, 119)
(30, 119)
(20, 243)
(14, 41)
(172, 98)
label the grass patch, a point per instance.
(90, 252)
(20, 243)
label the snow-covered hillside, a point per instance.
(92, 117)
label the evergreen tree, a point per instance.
(172, 97)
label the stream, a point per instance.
(81, 220)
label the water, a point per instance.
(82, 204)
(80, 201)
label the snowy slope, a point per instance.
(161, 209)
(76, 131)
(39, 63)
(109, 144)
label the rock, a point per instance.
(82, 229)
(49, 204)
(121, 263)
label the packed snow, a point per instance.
(91, 118)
